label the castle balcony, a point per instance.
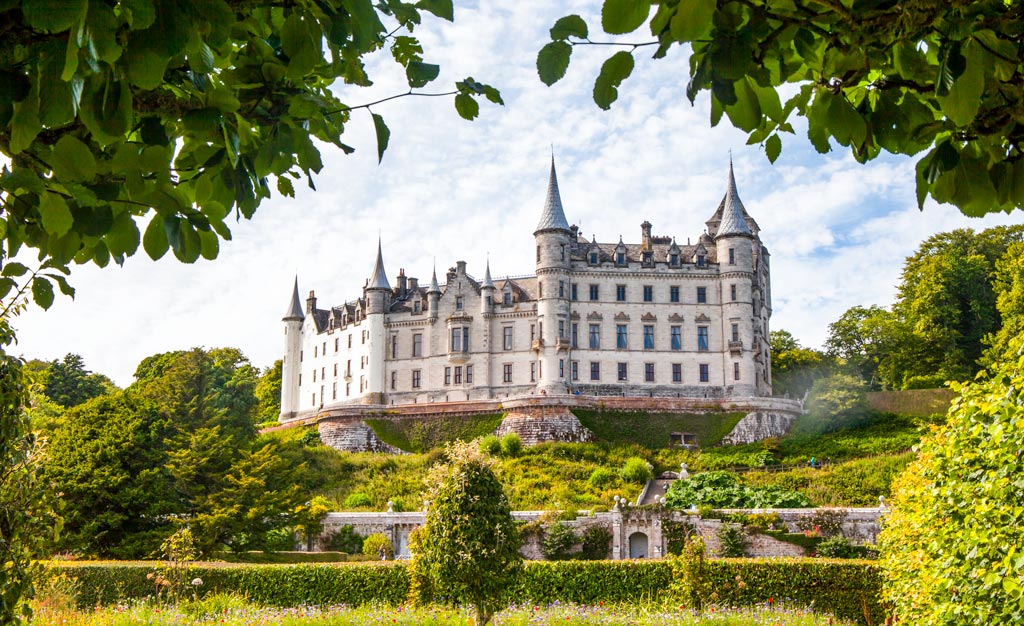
(537, 345)
(736, 347)
(458, 357)
(562, 345)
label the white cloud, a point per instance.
(453, 190)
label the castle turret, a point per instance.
(735, 243)
(487, 291)
(291, 364)
(377, 293)
(433, 295)
(553, 239)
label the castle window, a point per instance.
(540, 289)
(648, 259)
(300, 356)
(704, 373)
(323, 373)
(621, 337)
(593, 258)
(506, 373)
(702, 295)
(348, 369)
(673, 260)
(620, 293)
(337, 342)
(417, 306)
(563, 252)
(648, 293)
(533, 372)
(416, 379)
(677, 372)
(561, 368)
(561, 289)
(469, 374)
(677, 337)
(595, 337)
(348, 389)
(623, 372)
(394, 381)
(334, 391)
(447, 375)
(335, 370)
(350, 341)
(460, 339)
(735, 371)
(538, 254)
(648, 337)
(321, 395)
(673, 293)
(732, 256)
(572, 291)
(575, 335)
(702, 338)
(417, 345)
(323, 350)
(314, 351)
(506, 338)
(732, 292)
(648, 372)
(458, 375)
(506, 298)
(620, 258)
(300, 380)
(735, 332)
(593, 293)
(459, 303)
(313, 400)
(533, 332)
(574, 368)
(394, 346)
(700, 260)
(314, 376)
(561, 329)
(595, 370)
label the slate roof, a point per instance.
(294, 311)
(553, 217)
(379, 279)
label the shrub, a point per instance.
(826, 522)
(597, 542)
(636, 470)
(490, 445)
(357, 500)
(558, 541)
(725, 490)
(310, 438)
(838, 547)
(345, 539)
(511, 445)
(933, 381)
(373, 544)
(732, 541)
(601, 477)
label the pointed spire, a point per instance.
(379, 279)
(488, 283)
(734, 221)
(553, 217)
(434, 288)
(294, 311)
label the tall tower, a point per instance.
(291, 365)
(735, 243)
(378, 292)
(553, 239)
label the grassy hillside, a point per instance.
(652, 429)
(420, 435)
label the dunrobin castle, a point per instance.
(653, 319)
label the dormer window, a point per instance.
(417, 306)
(700, 260)
(673, 260)
(459, 302)
(620, 258)
(648, 259)
(506, 298)
(593, 258)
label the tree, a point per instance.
(68, 383)
(795, 368)
(468, 545)
(833, 402)
(26, 514)
(868, 339)
(872, 76)
(268, 393)
(1008, 283)
(151, 121)
(951, 546)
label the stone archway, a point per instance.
(638, 546)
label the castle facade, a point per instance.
(654, 318)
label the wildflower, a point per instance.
(197, 582)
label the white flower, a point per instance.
(197, 582)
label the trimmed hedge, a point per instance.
(850, 589)
(423, 435)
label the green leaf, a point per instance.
(441, 8)
(616, 69)
(964, 99)
(384, 134)
(419, 74)
(42, 292)
(123, 237)
(569, 26)
(54, 214)
(693, 19)
(552, 61)
(773, 147)
(619, 17)
(14, 269)
(209, 244)
(53, 16)
(284, 187)
(467, 106)
(745, 113)
(154, 241)
(72, 160)
(25, 124)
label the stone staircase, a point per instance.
(655, 487)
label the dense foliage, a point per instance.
(467, 550)
(794, 367)
(68, 383)
(952, 546)
(153, 121)
(724, 490)
(897, 77)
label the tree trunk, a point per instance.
(483, 617)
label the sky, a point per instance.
(450, 190)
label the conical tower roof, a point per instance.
(294, 311)
(379, 278)
(434, 288)
(488, 283)
(553, 217)
(734, 220)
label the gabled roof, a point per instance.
(379, 279)
(294, 311)
(553, 217)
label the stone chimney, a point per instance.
(311, 302)
(403, 284)
(645, 230)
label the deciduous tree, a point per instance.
(941, 78)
